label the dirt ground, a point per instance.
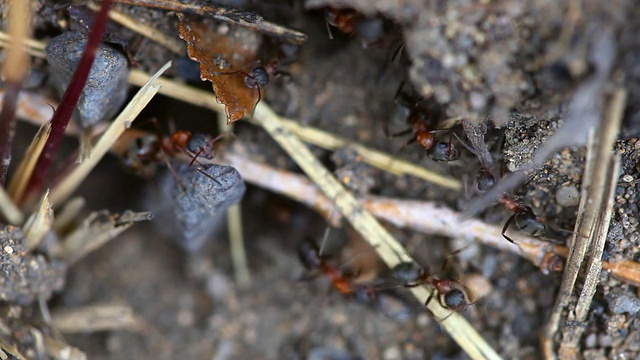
(517, 64)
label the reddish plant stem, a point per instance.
(63, 113)
(8, 126)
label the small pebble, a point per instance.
(568, 195)
(106, 87)
(624, 303)
(190, 215)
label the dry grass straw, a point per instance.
(39, 223)
(389, 249)
(595, 184)
(18, 184)
(92, 318)
(9, 210)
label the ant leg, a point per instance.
(173, 171)
(426, 303)
(209, 176)
(506, 226)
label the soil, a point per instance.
(507, 63)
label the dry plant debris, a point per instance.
(224, 60)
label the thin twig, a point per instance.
(243, 18)
(9, 211)
(14, 72)
(422, 216)
(63, 113)
(92, 318)
(594, 184)
(176, 46)
(95, 231)
(389, 249)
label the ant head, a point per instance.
(258, 76)
(529, 223)
(309, 256)
(485, 180)
(181, 138)
(551, 263)
(444, 152)
(407, 272)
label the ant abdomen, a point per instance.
(456, 300)
(528, 223)
(308, 255)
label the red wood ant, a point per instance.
(523, 216)
(312, 259)
(148, 151)
(420, 119)
(451, 294)
(343, 19)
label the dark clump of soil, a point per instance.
(515, 66)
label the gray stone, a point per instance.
(106, 87)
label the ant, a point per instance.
(420, 119)
(451, 294)
(343, 19)
(149, 150)
(524, 218)
(312, 259)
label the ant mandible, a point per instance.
(420, 120)
(524, 218)
(312, 259)
(451, 294)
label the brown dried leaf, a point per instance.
(224, 61)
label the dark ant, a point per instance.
(420, 120)
(259, 76)
(523, 216)
(451, 294)
(312, 259)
